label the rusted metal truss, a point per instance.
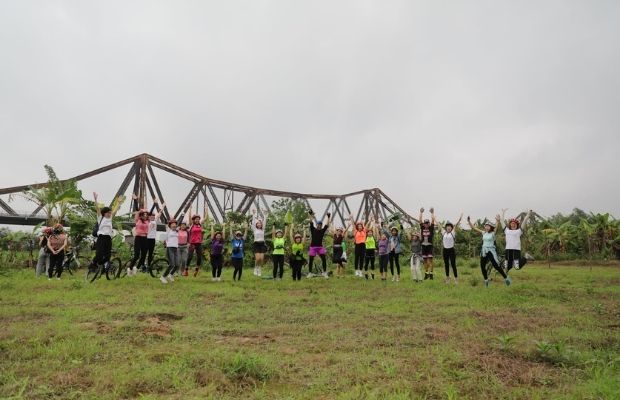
(219, 197)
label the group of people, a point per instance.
(371, 240)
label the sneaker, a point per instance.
(185, 273)
(255, 271)
(486, 283)
(163, 279)
(128, 271)
(397, 278)
(393, 278)
(447, 280)
(430, 276)
(170, 278)
(372, 276)
(219, 279)
(196, 272)
(213, 279)
(508, 281)
(134, 271)
(425, 276)
(259, 272)
(49, 279)
(456, 282)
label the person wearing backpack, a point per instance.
(56, 244)
(103, 231)
(43, 262)
(448, 238)
(238, 242)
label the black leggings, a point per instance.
(278, 265)
(360, 254)
(140, 247)
(296, 267)
(150, 249)
(449, 258)
(56, 261)
(197, 247)
(311, 261)
(370, 260)
(238, 264)
(383, 262)
(103, 249)
(394, 258)
(512, 256)
(483, 265)
(216, 265)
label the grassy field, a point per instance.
(554, 334)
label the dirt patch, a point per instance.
(72, 379)
(159, 316)
(102, 327)
(158, 324)
(512, 370)
(238, 338)
(33, 316)
(503, 322)
(435, 334)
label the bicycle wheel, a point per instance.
(122, 272)
(114, 266)
(158, 267)
(94, 272)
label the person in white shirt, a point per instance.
(514, 231)
(448, 238)
(103, 246)
(151, 236)
(171, 241)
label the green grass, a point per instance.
(553, 334)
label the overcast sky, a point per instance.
(469, 106)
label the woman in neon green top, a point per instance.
(278, 251)
(371, 249)
(297, 253)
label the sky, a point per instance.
(465, 106)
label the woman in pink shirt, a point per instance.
(195, 244)
(140, 241)
(183, 245)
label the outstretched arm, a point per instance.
(420, 218)
(498, 220)
(526, 219)
(472, 226)
(458, 221)
(96, 203)
(433, 219)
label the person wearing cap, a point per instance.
(151, 235)
(513, 232)
(216, 252)
(140, 243)
(277, 237)
(448, 238)
(416, 255)
(359, 237)
(43, 262)
(171, 241)
(394, 249)
(297, 252)
(183, 232)
(103, 245)
(259, 246)
(237, 243)
(195, 243)
(488, 253)
(317, 234)
(339, 255)
(56, 244)
(427, 232)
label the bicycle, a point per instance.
(72, 262)
(110, 269)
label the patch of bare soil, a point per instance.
(238, 338)
(158, 324)
(502, 321)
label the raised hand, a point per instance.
(432, 210)
(422, 209)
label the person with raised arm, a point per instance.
(488, 253)
(259, 247)
(427, 233)
(217, 252)
(513, 231)
(103, 245)
(196, 233)
(359, 238)
(140, 242)
(317, 234)
(448, 239)
(339, 256)
(171, 241)
(183, 233)
(394, 249)
(238, 243)
(278, 237)
(371, 248)
(151, 235)
(297, 252)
